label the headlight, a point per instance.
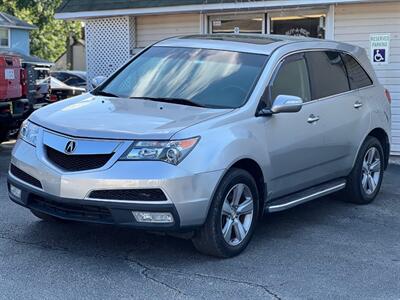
(172, 152)
(29, 132)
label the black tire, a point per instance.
(355, 192)
(209, 239)
(45, 217)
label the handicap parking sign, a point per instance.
(380, 48)
(379, 55)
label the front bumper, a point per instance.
(91, 211)
(188, 195)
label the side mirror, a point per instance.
(283, 104)
(98, 80)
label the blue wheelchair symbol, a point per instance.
(379, 55)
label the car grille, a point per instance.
(75, 163)
(72, 211)
(25, 177)
(130, 195)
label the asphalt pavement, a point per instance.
(326, 249)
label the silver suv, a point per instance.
(205, 134)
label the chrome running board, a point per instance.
(293, 200)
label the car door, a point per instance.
(295, 140)
(344, 121)
(361, 106)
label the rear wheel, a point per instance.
(365, 180)
(232, 216)
(45, 217)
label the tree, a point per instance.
(50, 39)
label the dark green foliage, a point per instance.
(50, 39)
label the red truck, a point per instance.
(13, 92)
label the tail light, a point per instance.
(388, 96)
(53, 98)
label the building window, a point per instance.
(4, 37)
(308, 25)
(236, 24)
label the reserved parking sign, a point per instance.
(380, 48)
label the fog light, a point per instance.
(16, 192)
(153, 217)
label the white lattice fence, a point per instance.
(108, 44)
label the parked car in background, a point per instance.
(71, 78)
(62, 91)
(204, 134)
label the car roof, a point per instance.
(250, 43)
(81, 74)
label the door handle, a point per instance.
(313, 119)
(358, 105)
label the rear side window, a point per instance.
(60, 76)
(74, 81)
(292, 79)
(358, 78)
(327, 73)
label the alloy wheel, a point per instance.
(237, 214)
(371, 171)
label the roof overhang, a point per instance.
(29, 59)
(203, 8)
(9, 21)
(19, 27)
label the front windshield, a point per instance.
(209, 78)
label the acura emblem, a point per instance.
(70, 147)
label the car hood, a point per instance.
(56, 84)
(116, 118)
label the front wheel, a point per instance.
(365, 180)
(232, 217)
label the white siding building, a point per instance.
(117, 30)
(354, 24)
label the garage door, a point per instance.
(150, 29)
(354, 24)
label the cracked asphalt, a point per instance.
(326, 249)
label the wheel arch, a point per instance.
(251, 166)
(383, 138)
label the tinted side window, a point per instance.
(60, 76)
(74, 81)
(328, 74)
(292, 79)
(358, 78)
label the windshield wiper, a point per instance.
(105, 94)
(171, 100)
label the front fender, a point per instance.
(221, 147)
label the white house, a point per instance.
(117, 29)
